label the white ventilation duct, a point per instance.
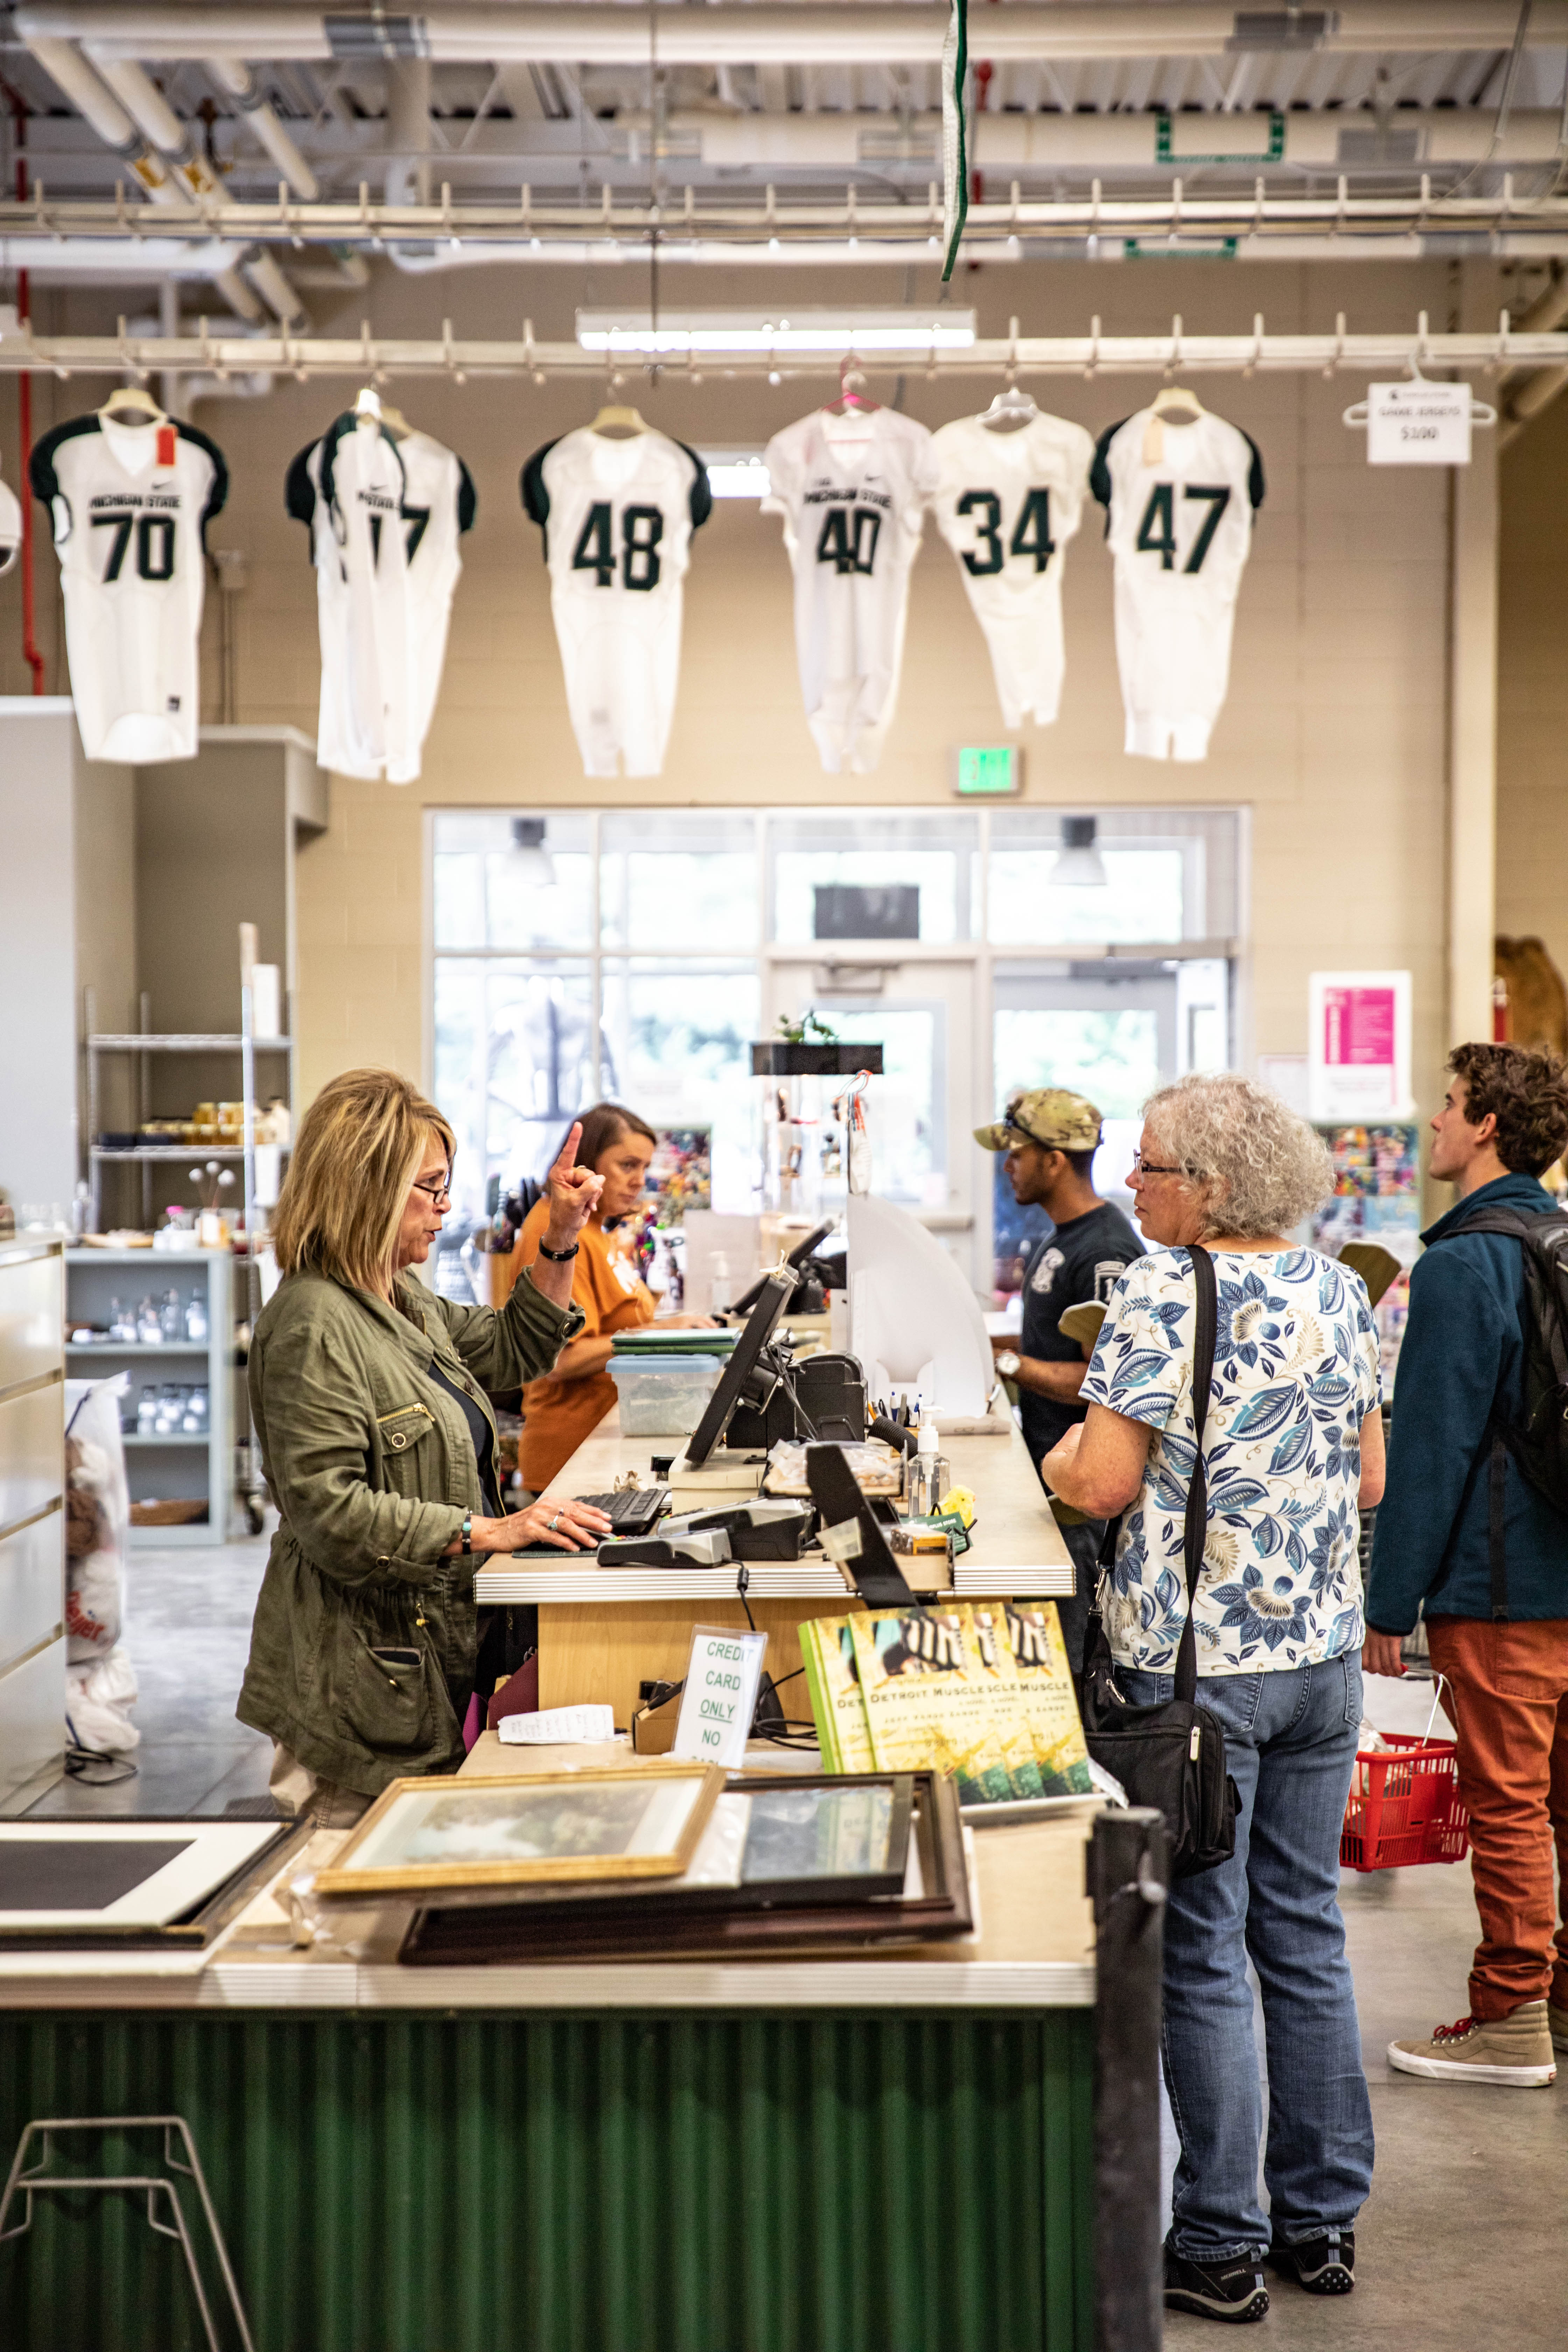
(800, 32)
(113, 261)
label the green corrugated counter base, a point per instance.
(659, 2182)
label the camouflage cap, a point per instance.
(1048, 1116)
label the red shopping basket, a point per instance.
(1403, 1805)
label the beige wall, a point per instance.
(1335, 733)
(1533, 685)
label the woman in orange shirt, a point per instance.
(560, 1411)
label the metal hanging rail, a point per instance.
(380, 357)
(1508, 222)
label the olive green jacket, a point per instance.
(371, 1464)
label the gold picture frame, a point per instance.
(602, 1822)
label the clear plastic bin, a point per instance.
(663, 1400)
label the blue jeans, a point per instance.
(1290, 1740)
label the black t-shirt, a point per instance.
(483, 1440)
(1075, 1264)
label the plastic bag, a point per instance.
(100, 1694)
(97, 1512)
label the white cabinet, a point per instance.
(32, 1514)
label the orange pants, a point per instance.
(1508, 1704)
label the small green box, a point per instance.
(988, 772)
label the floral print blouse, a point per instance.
(1295, 1373)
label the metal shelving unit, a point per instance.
(167, 1468)
(142, 1045)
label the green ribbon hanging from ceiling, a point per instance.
(954, 156)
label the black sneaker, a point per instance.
(1324, 2265)
(1233, 2291)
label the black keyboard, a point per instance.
(634, 1511)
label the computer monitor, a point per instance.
(914, 1322)
(796, 1258)
(777, 1291)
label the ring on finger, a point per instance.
(556, 1522)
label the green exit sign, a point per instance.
(988, 772)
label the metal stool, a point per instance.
(30, 2183)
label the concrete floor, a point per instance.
(1460, 2248)
(187, 1628)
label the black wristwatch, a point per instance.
(558, 1257)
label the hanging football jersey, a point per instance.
(438, 507)
(852, 490)
(385, 507)
(10, 527)
(617, 517)
(1179, 499)
(130, 504)
(1008, 500)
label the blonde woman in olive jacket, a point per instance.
(369, 1396)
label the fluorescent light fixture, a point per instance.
(1080, 865)
(802, 334)
(736, 473)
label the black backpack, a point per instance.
(1170, 1755)
(1539, 1440)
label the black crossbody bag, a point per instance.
(1170, 1755)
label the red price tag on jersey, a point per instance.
(166, 444)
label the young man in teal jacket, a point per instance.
(1504, 1120)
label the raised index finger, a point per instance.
(566, 1157)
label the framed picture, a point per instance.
(537, 1827)
(789, 1891)
(70, 1884)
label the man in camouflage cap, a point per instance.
(1050, 1138)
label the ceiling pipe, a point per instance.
(156, 118)
(103, 113)
(106, 111)
(274, 289)
(800, 32)
(1525, 393)
(234, 76)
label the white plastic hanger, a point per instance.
(367, 401)
(132, 404)
(620, 424)
(1010, 410)
(1482, 412)
(1178, 403)
(853, 398)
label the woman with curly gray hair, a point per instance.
(1292, 1445)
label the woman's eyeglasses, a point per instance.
(440, 1190)
(1141, 1167)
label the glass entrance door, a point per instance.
(921, 1013)
(1114, 1033)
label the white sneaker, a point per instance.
(1514, 2050)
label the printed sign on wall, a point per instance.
(1357, 1054)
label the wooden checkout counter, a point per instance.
(603, 1632)
(942, 2148)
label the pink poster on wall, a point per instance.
(1358, 1045)
(1358, 1028)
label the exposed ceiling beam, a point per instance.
(800, 32)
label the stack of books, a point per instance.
(979, 1691)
